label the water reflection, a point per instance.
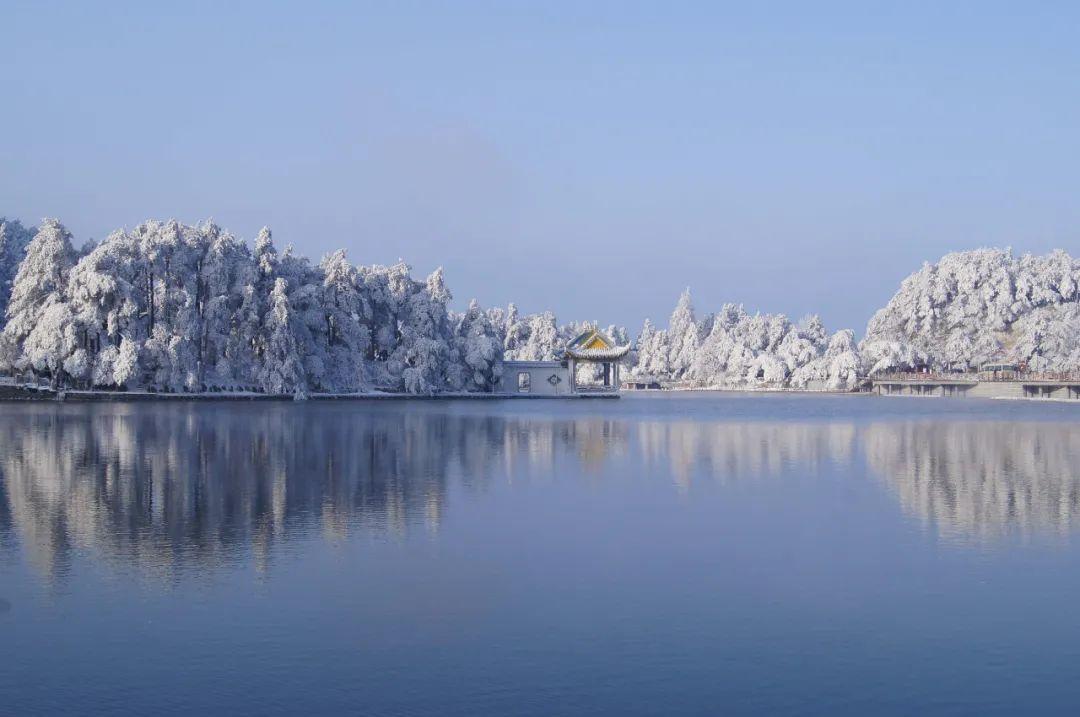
(981, 478)
(725, 450)
(6, 537)
(168, 488)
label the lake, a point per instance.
(660, 554)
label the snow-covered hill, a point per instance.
(975, 307)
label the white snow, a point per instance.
(734, 349)
(178, 308)
(982, 306)
(172, 307)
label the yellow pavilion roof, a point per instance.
(595, 345)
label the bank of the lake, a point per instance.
(39, 393)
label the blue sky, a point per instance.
(592, 158)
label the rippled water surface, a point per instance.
(699, 554)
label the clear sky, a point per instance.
(591, 158)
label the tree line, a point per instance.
(173, 307)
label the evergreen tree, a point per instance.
(683, 336)
(346, 331)
(282, 370)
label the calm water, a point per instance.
(655, 555)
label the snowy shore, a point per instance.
(36, 393)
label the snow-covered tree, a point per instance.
(39, 290)
(683, 337)
(105, 297)
(14, 238)
(975, 307)
(223, 268)
(422, 357)
(652, 352)
(543, 342)
(838, 369)
(515, 332)
(346, 332)
(172, 307)
(282, 370)
(256, 295)
(304, 284)
(480, 350)
(644, 341)
(126, 367)
(814, 330)
(733, 349)
(49, 347)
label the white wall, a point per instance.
(539, 373)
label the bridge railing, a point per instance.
(1063, 376)
(985, 376)
(932, 376)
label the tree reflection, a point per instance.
(980, 478)
(726, 450)
(165, 487)
(170, 487)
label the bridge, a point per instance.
(1015, 385)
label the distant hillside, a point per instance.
(979, 306)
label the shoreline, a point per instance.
(36, 394)
(18, 394)
(705, 389)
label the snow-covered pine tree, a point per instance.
(346, 332)
(282, 370)
(387, 290)
(496, 318)
(653, 352)
(515, 332)
(642, 345)
(224, 268)
(683, 337)
(305, 290)
(426, 345)
(256, 297)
